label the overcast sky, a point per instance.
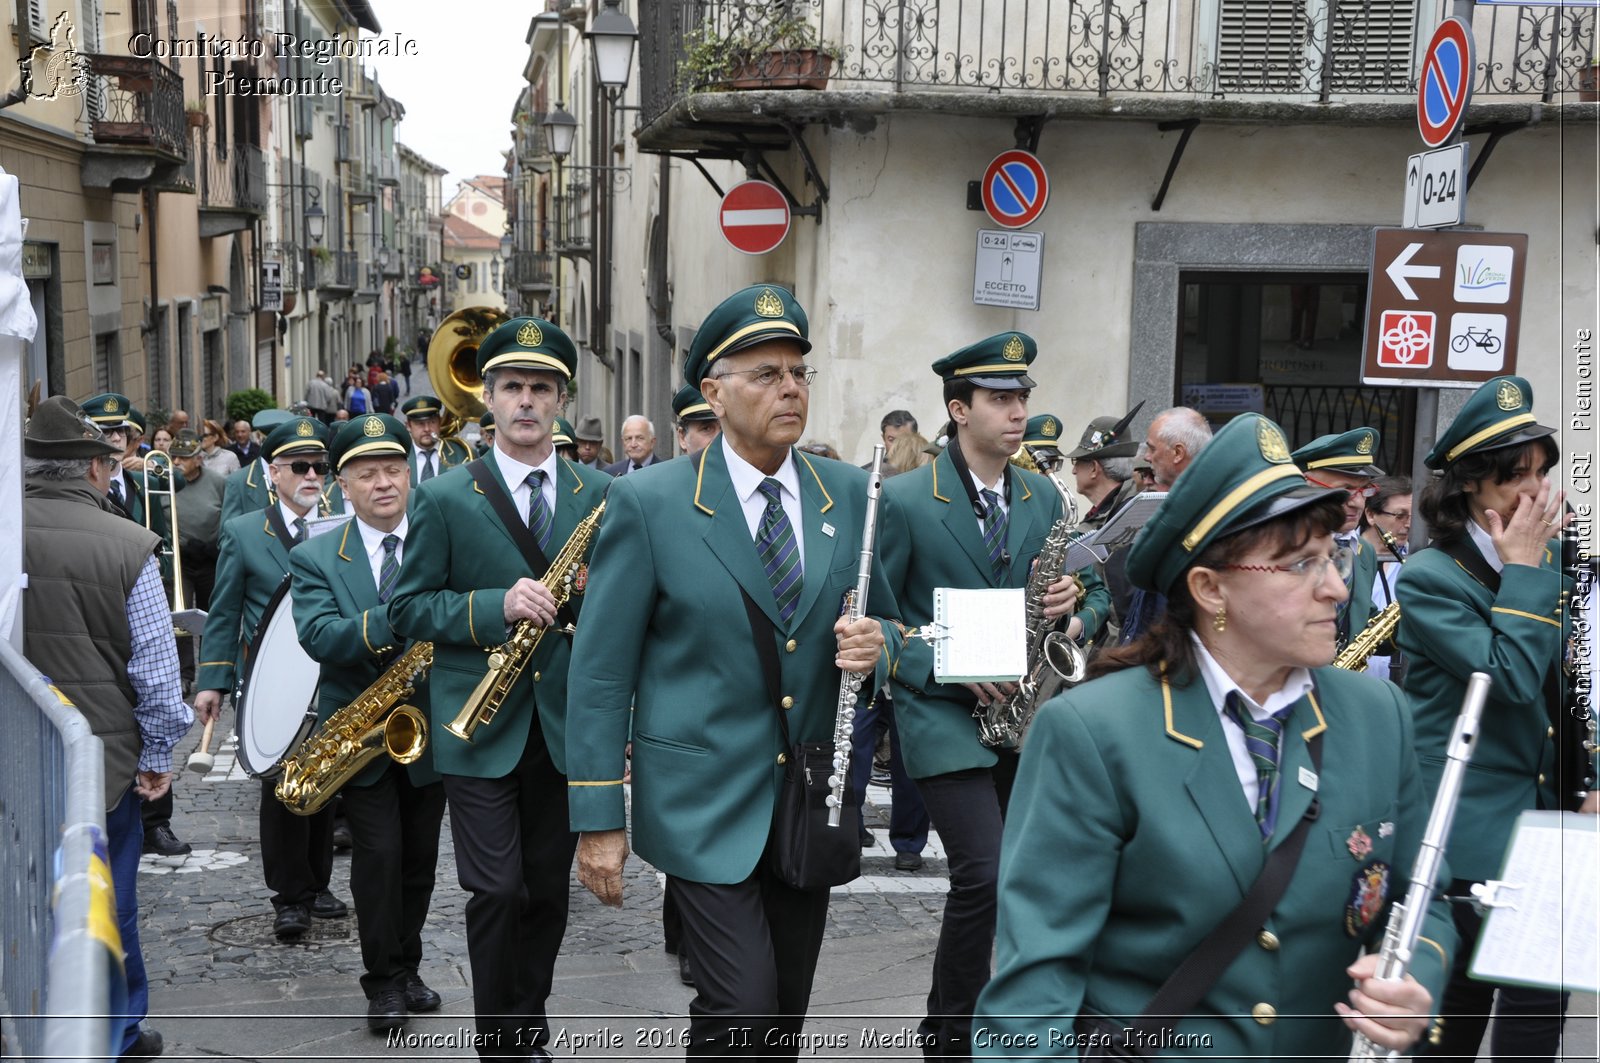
(460, 88)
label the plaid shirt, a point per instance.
(162, 716)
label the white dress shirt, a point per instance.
(1485, 546)
(515, 475)
(747, 480)
(372, 542)
(290, 516)
(998, 487)
(1219, 684)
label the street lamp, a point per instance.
(505, 245)
(316, 220)
(612, 36)
(560, 130)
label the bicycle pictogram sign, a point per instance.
(1405, 339)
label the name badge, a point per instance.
(1308, 778)
(827, 529)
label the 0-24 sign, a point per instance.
(1436, 188)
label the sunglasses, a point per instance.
(300, 468)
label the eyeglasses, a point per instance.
(767, 376)
(300, 468)
(1396, 514)
(1366, 491)
(1310, 569)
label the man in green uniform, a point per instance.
(481, 544)
(696, 560)
(252, 562)
(430, 455)
(970, 519)
(250, 489)
(342, 584)
(1345, 460)
(694, 419)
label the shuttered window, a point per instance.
(1286, 46)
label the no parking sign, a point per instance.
(1015, 189)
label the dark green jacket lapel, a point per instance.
(958, 518)
(1025, 520)
(728, 536)
(1213, 784)
(277, 548)
(354, 568)
(1294, 797)
(573, 503)
(815, 505)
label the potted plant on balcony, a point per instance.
(1589, 82)
(770, 47)
(196, 115)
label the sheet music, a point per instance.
(982, 635)
(1542, 928)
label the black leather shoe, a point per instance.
(327, 906)
(386, 1011)
(341, 839)
(292, 922)
(418, 996)
(161, 841)
(684, 974)
(908, 861)
(148, 1045)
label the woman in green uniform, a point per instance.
(1168, 787)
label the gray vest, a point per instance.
(82, 562)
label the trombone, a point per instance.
(185, 621)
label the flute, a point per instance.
(855, 605)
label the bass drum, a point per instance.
(277, 704)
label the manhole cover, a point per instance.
(255, 931)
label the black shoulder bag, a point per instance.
(804, 851)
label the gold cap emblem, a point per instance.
(1269, 438)
(112, 406)
(1012, 351)
(1049, 428)
(304, 430)
(768, 304)
(1507, 396)
(530, 335)
(1364, 444)
(372, 427)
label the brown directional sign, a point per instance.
(1443, 308)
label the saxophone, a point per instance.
(507, 660)
(1379, 629)
(373, 724)
(1053, 658)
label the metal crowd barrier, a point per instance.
(57, 967)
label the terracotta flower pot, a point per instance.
(802, 68)
(1589, 84)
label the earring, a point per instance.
(1219, 622)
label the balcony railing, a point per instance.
(1303, 51)
(387, 170)
(532, 270)
(335, 272)
(141, 106)
(530, 139)
(233, 179)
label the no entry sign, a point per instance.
(1015, 189)
(1445, 87)
(754, 217)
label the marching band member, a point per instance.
(970, 519)
(1219, 745)
(1345, 461)
(678, 577)
(342, 585)
(430, 455)
(1489, 596)
(250, 489)
(694, 419)
(1388, 510)
(252, 562)
(480, 543)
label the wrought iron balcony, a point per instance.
(387, 170)
(1241, 58)
(233, 187)
(136, 117)
(532, 271)
(334, 273)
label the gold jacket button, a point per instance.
(537, 677)
(1541, 778)
(788, 703)
(1267, 940)
(783, 758)
(1549, 732)
(1264, 1013)
(790, 646)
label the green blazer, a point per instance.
(460, 561)
(343, 626)
(451, 454)
(1130, 779)
(1451, 625)
(248, 490)
(929, 538)
(1365, 573)
(667, 634)
(251, 564)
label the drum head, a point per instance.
(277, 706)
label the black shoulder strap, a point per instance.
(1465, 553)
(279, 528)
(1201, 969)
(537, 562)
(764, 633)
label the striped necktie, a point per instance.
(779, 553)
(299, 531)
(389, 570)
(426, 458)
(538, 512)
(994, 534)
(116, 494)
(1261, 738)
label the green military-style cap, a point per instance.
(689, 405)
(369, 436)
(1350, 452)
(999, 362)
(528, 343)
(136, 420)
(1043, 430)
(60, 429)
(422, 406)
(295, 435)
(561, 433)
(109, 410)
(1242, 478)
(1106, 437)
(487, 420)
(267, 420)
(749, 316)
(1499, 414)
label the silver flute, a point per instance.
(855, 605)
(1405, 919)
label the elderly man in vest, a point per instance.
(98, 624)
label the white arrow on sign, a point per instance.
(1401, 270)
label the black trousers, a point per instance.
(514, 856)
(753, 949)
(1527, 1021)
(394, 833)
(296, 851)
(965, 807)
(157, 813)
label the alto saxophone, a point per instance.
(1054, 659)
(376, 722)
(855, 607)
(507, 660)
(1379, 629)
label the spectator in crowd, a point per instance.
(357, 398)
(589, 437)
(218, 458)
(162, 440)
(896, 423)
(1175, 436)
(405, 371)
(322, 397)
(384, 394)
(638, 446)
(907, 451)
(177, 422)
(244, 447)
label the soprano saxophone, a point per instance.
(855, 607)
(1379, 629)
(507, 660)
(1405, 919)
